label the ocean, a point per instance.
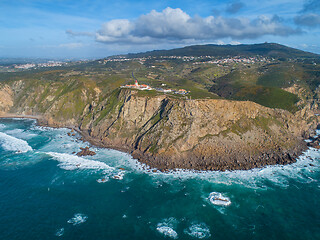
(47, 192)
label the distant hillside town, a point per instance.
(194, 59)
(39, 65)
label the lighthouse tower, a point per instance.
(136, 83)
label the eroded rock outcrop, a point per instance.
(86, 152)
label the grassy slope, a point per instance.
(264, 84)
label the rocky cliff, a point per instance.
(164, 132)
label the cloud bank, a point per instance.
(309, 20)
(309, 15)
(174, 25)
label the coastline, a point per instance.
(224, 163)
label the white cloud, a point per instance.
(174, 25)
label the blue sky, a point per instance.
(99, 28)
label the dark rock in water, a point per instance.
(73, 152)
(85, 152)
(69, 134)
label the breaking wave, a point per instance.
(71, 162)
(167, 231)
(19, 133)
(13, 144)
(167, 228)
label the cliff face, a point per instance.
(200, 134)
(6, 98)
(170, 133)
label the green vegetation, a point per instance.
(68, 90)
(264, 84)
(268, 96)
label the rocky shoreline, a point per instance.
(222, 164)
(239, 161)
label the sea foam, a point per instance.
(198, 230)
(71, 162)
(217, 198)
(19, 133)
(10, 143)
(59, 232)
(166, 228)
(167, 231)
(78, 219)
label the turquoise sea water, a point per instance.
(46, 192)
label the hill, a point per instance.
(263, 49)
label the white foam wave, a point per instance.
(217, 198)
(198, 230)
(19, 133)
(71, 162)
(166, 227)
(2, 126)
(167, 231)
(119, 175)
(78, 219)
(14, 131)
(103, 180)
(10, 143)
(60, 232)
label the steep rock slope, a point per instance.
(6, 98)
(168, 133)
(200, 134)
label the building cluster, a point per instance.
(194, 59)
(39, 65)
(124, 59)
(248, 60)
(138, 86)
(180, 91)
